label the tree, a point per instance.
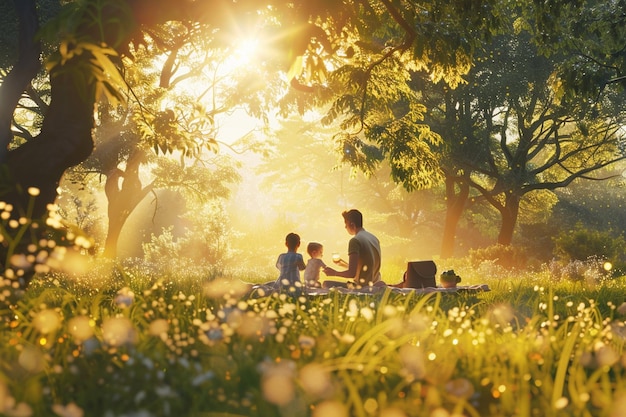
(592, 32)
(517, 135)
(132, 138)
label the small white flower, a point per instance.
(47, 321)
(561, 403)
(315, 380)
(70, 410)
(158, 327)
(118, 331)
(80, 327)
(124, 297)
(306, 342)
(367, 314)
(278, 385)
(33, 191)
(20, 261)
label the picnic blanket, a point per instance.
(378, 289)
(266, 290)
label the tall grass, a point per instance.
(126, 341)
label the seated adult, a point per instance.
(363, 255)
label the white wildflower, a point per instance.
(330, 409)
(81, 328)
(70, 410)
(118, 331)
(315, 380)
(46, 321)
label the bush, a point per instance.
(582, 244)
(503, 255)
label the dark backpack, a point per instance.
(420, 274)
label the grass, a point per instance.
(127, 341)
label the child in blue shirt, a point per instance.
(290, 264)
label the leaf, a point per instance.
(296, 67)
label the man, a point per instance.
(363, 252)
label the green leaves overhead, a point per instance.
(381, 117)
(592, 36)
(90, 36)
(169, 131)
(93, 69)
(355, 57)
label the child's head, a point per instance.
(315, 249)
(292, 241)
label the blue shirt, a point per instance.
(289, 264)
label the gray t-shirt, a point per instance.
(312, 272)
(367, 246)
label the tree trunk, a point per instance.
(123, 198)
(455, 205)
(65, 140)
(509, 215)
(24, 70)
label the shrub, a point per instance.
(582, 243)
(503, 255)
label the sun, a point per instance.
(243, 53)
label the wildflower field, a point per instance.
(128, 342)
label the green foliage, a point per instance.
(593, 33)
(89, 35)
(168, 131)
(507, 256)
(582, 244)
(205, 243)
(500, 137)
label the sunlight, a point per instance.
(243, 53)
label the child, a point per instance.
(314, 265)
(290, 263)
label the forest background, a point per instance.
(207, 156)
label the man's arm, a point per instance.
(351, 272)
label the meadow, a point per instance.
(131, 341)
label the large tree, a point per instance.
(95, 38)
(511, 132)
(170, 112)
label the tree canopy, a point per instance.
(310, 39)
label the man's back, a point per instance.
(368, 247)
